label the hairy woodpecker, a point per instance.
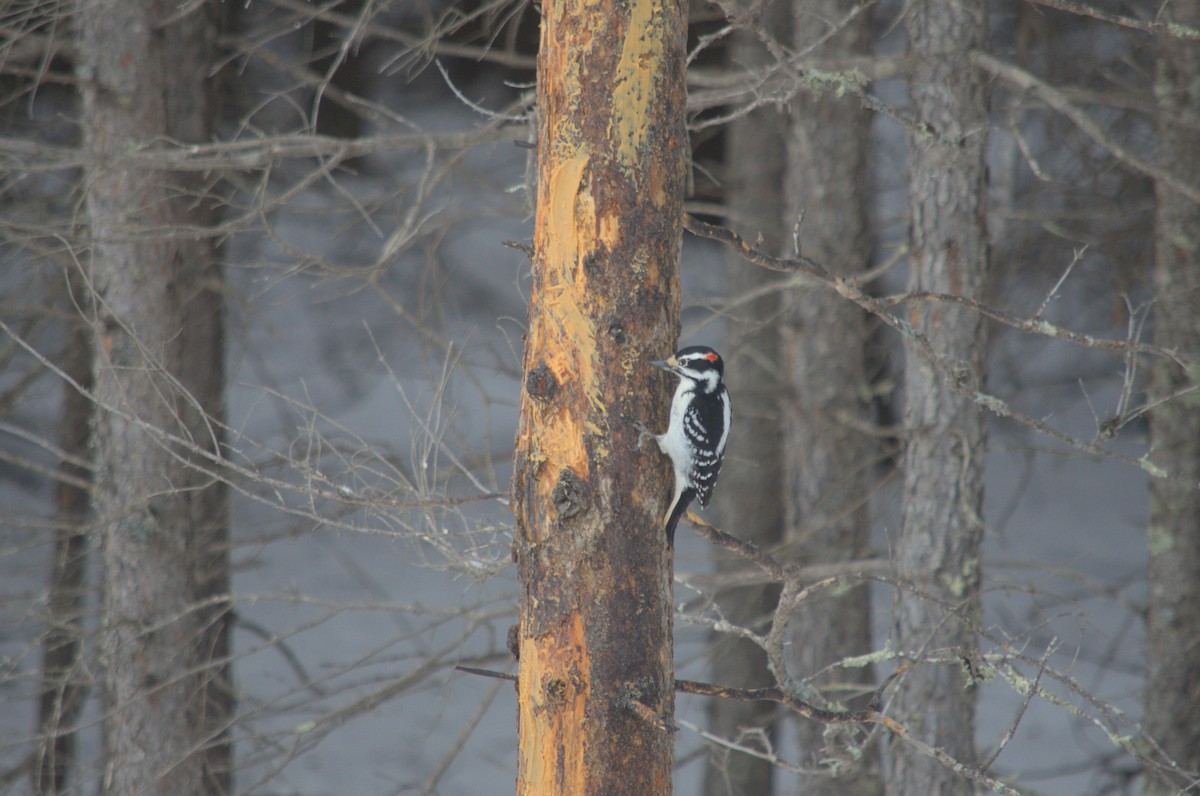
(699, 426)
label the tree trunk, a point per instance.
(63, 688)
(829, 459)
(938, 552)
(1172, 709)
(595, 675)
(749, 503)
(160, 521)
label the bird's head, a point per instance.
(698, 363)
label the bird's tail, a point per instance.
(677, 509)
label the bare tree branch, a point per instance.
(1086, 124)
(961, 382)
(1156, 26)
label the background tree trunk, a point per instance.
(596, 675)
(1172, 708)
(938, 552)
(63, 686)
(829, 458)
(161, 521)
(749, 503)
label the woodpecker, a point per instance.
(699, 426)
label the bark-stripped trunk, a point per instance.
(829, 459)
(749, 500)
(160, 522)
(1172, 709)
(938, 552)
(595, 633)
(63, 686)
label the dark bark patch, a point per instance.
(571, 495)
(541, 384)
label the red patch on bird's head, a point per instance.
(711, 357)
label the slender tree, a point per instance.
(63, 686)
(749, 502)
(938, 549)
(595, 678)
(158, 348)
(829, 458)
(1172, 702)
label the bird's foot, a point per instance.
(643, 432)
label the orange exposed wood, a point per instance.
(553, 708)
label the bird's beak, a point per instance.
(665, 364)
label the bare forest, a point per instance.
(324, 331)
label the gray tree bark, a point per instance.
(158, 345)
(63, 683)
(1172, 701)
(829, 458)
(938, 551)
(749, 503)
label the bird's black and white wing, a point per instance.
(706, 425)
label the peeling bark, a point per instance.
(595, 629)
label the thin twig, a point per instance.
(512, 678)
(1035, 325)
(1053, 293)
(1029, 694)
